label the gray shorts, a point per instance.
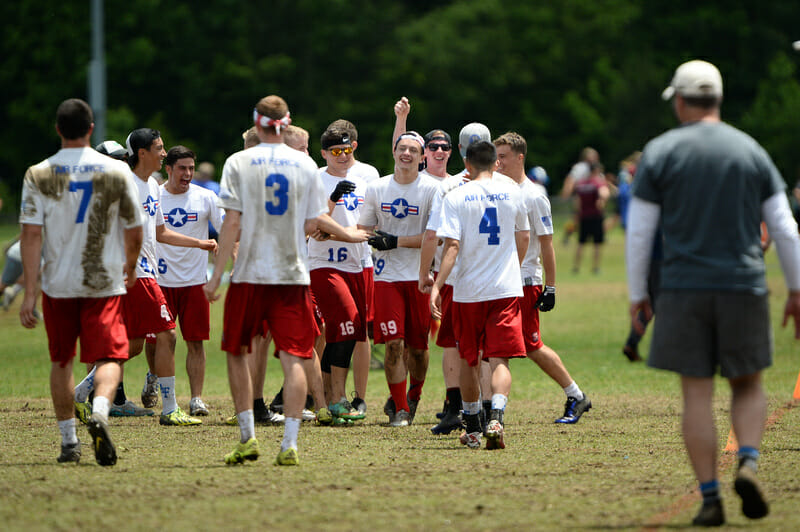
(11, 271)
(697, 332)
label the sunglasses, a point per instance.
(434, 147)
(338, 151)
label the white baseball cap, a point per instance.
(695, 79)
(473, 132)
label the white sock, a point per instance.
(15, 289)
(168, 401)
(499, 401)
(247, 425)
(290, 430)
(573, 391)
(471, 408)
(85, 387)
(101, 406)
(67, 428)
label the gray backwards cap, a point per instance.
(470, 133)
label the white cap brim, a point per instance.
(668, 93)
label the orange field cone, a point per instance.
(732, 446)
(797, 388)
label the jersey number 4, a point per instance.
(280, 189)
(86, 188)
(489, 226)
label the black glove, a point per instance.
(382, 241)
(342, 187)
(547, 299)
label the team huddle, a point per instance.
(323, 261)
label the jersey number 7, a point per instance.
(86, 187)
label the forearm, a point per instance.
(413, 241)
(783, 230)
(548, 255)
(523, 239)
(643, 218)
(31, 253)
(449, 256)
(168, 236)
(427, 252)
(133, 244)
(228, 241)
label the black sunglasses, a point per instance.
(434, 147)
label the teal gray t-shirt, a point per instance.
(710, 180)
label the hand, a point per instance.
(342, 187)
(27, 312)
(402, 107)
(792, 309)
(425, 283)
(319, 235)
(547, 299)
(208, 245)
(210, 289)
(129, 273)
(383, 241)
(436, 302)
(647, 310)
(356, 235)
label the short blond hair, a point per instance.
(272, 106)
(294, 135)
(250, 138)
(513, 140)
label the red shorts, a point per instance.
(403, 312)
(189, 306)
(446, 336)
(530, 318)
(145, 309)
(284, 310)
(494, 327)
(97, 321)
(342, 299)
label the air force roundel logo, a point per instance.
(400, 208)
(350, 201)
(150, 205)
(178, 217)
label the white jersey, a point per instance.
(84, 200)
(343, 256)
(188, 214)
(484, 216)
(150, 200)
(276, 188)
(365, 171)
(435, 221)
(400, 210)
(436, 177)
(541, 219)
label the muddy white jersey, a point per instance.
(343, 256)
(276, 188)
(84, 200)
(150, 201)
(541, 219)
(188, 214)
(435, 220)
(484, 217)
(401, 210)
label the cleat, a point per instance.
(710, 514)
(574, 409)
(277, 402)
(197, 407)
(412, 409)
(754, 506)
(268, 417)
(70, 453)
(324, 416)
(129, 409)
(359, 404)
(401, 419)
(342, 422)
(345, 410)
(448, 424)
(443, 413)
(288, 457)
(104, 451)
(308, 415)
(83, 411)
(232, 421)
(389, 409)
(150, 391)
(494, 435)
(632, 352)
(471, 439)
(243, 451)
(178, 418)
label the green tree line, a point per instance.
(565, 74)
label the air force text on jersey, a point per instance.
(503, 196)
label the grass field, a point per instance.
(622, 467)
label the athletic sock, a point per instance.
(748, 456)
(499, 401)
(454, 400)
(247, 425)
(473, 423)
(168, 400)
(120, 398)
(85, 387)
(398, 391)
(67, 429)
(415, 389)
(290, 429)
(259, 405)
(471, 408)
(710, 491)
(574, 391)
(101, 406)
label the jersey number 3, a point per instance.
(280, 189)
(489, 225)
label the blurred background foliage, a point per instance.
(565, 74)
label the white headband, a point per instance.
(413, 135)
(265, 121)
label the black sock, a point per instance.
(120, 398)
(454, 400)
(473, 422)
(258, 405)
